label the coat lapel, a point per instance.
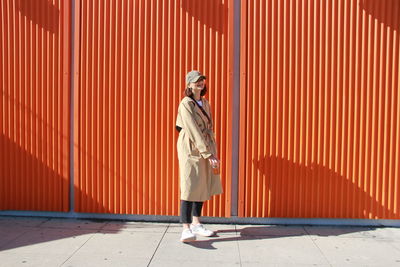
(202, 116)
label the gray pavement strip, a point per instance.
(38, 240)
(122, 249)
(280, 251)
(98, 260)
(192, 263)
(21, 221)
(263, 264)
(125, 243)
(389, 233)
(10, 233)
(135, 226)
(204, 249)
(340, 231)
(270, 230)
(74, 224)
(31, 259)
(358, 251)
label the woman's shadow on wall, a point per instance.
(317, 191)
(384, 11)
(40, 12)
(207, 12)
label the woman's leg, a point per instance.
(186, 213)
(197, 207)
(197, 227)
(186, 220)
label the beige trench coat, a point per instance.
(196, 142)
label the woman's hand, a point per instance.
(214, 162)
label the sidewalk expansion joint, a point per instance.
(158, 245)
(315, 244)
(77, 249)
(237, 243)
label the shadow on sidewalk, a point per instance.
(270, 232)
(19, 232)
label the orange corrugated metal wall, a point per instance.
(34, 105)
(320, 111)
(319, 117)
(131, 58)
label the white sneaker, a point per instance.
(187, 236)
(201, 230)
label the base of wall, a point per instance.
(218, 220)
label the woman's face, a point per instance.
(199, 85)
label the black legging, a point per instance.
(189, 209)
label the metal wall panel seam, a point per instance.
(242, 103)
(76, 102)
(67, 99)
(236, 108)
(73, 94)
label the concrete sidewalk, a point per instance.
(67, 242)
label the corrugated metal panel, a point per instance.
(131, 58)
(34, 105)
(320, 109)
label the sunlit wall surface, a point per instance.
(132, 57)
(320, 111)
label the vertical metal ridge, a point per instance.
(396, 131)
(3, 198)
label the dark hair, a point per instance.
(188, 91)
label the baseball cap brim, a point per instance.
(195, 79)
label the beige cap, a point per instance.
(193, 76)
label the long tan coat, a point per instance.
(196, 142)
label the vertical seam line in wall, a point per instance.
(236, 108)
(71, 139)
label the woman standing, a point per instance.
(197, 153)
